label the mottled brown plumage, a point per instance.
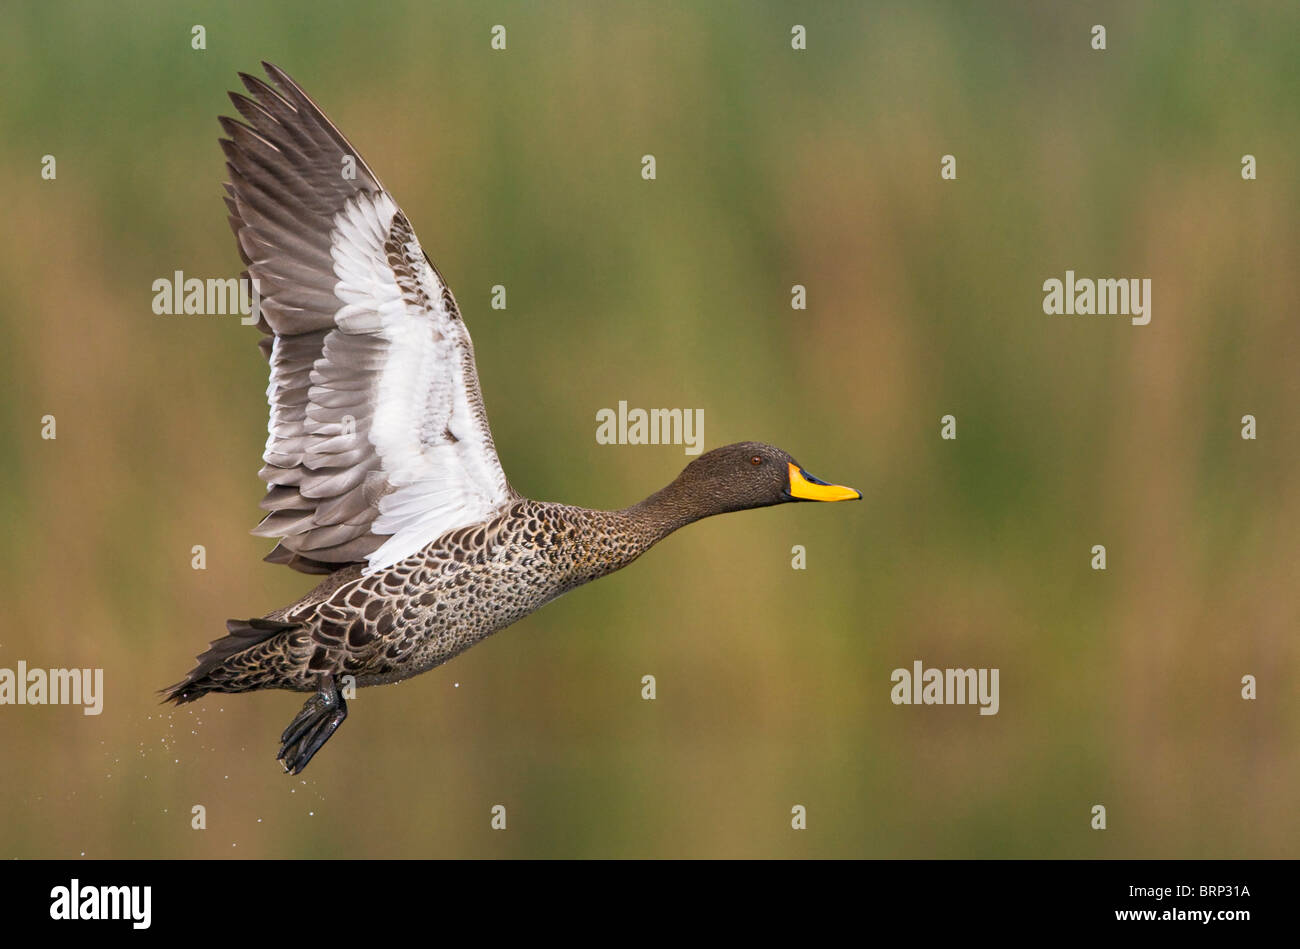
(380, 466)
(475, 580)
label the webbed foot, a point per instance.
(320, 717)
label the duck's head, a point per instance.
(748, 475)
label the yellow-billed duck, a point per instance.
(380, 467)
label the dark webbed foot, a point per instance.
(322, 714)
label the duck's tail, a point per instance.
(212, 674)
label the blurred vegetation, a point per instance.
(775, 167)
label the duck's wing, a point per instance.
(378, 441)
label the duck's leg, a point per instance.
(320, 717)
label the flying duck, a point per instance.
(380, 468)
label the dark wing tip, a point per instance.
(229, 126)
(280, 76)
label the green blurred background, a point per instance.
(775, 168)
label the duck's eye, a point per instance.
(756, 460)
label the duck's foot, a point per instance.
(320, 717)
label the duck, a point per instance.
(381, 473)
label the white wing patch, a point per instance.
(442, 473)
(377, 442)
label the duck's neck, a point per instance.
(610, 540)
(667, 510)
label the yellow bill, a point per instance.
(804, 487)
